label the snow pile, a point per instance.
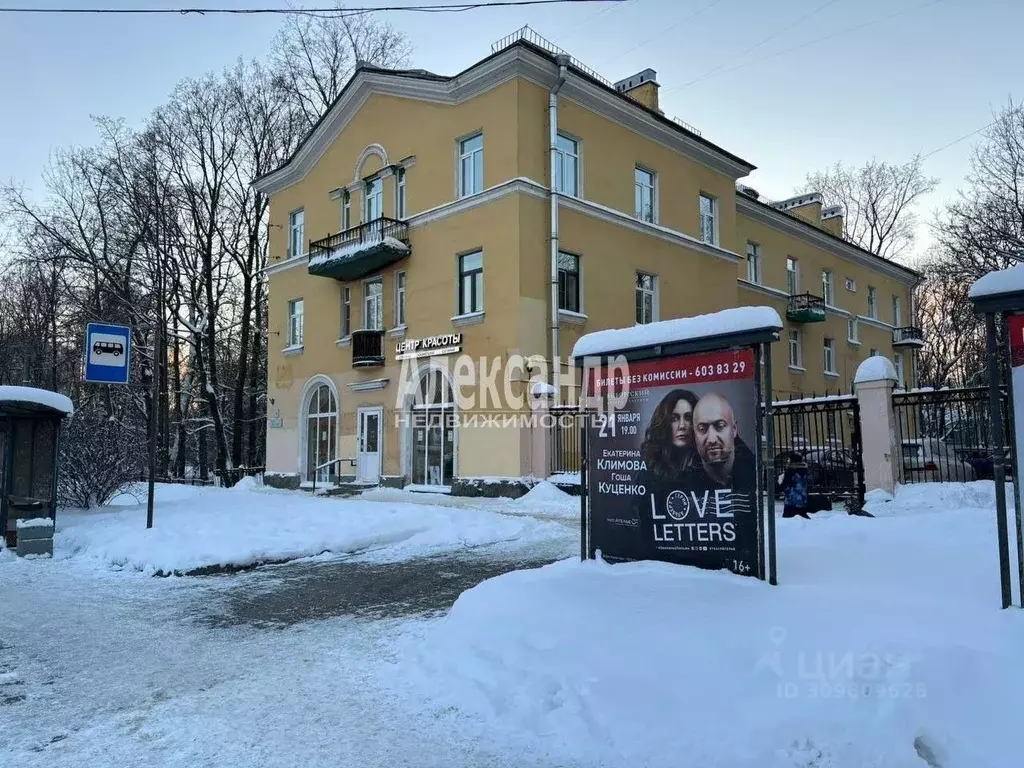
(542, 389)
(875, 368)
(547, 498)
(43, 397)
(930, 498)
(247, 483)
(999, 282)
(728, 321)
(884, 642)
(231, 527)
(36, 522)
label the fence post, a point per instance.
(874, 384)
(540, 434)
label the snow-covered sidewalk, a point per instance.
(883, 646)
(197, 528)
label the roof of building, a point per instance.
(422, 74)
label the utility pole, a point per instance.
(154, 396)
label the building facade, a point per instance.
(428, 220)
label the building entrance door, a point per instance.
(368, 434)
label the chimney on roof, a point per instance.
(806, 206)
(641, 88)
(748, 191)
(832, 220)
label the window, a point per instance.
(829, 348)
(400, 201)
(400, 299)
(346, 312)
(471, 165)
(872, 353)
(471, 283)
(897, 312)
(753, 262)
(296, 232)
(346, 211)
(852, 331)
(646, 298)
(373, 202)
(872, 303)
(851, 285)
(643, 188)
(792, 275)
(568, 282)
(295, 323)
(708, 219)
(373, 305)
(898, 359)
(567, 166)
(796, 350)
(826, 288)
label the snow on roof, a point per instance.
(542, 388)
(999, 282)
(728, 321)
(877, 368)
(43, 397)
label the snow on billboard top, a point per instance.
(997, 283)
(876, 368)
(42, 397)
(726, 322)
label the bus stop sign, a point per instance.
(107, 353)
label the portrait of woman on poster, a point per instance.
(668, 448)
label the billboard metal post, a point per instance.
(770, 485)
(762, 448)
(998, 460)
(1011, 420)
(584, 549)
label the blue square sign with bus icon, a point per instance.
(107, 353)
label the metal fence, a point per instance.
(944, 434)
(826, 432)
(565, 439)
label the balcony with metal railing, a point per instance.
(368, 348)
(805, 308)
(908, 336)
(360, 250)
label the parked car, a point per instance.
(832, 470)
(931, 460)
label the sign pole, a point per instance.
(770, 485)
(1013, 332)
(998, 464)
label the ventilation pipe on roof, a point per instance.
(556, 366)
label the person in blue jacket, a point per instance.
(796, 487)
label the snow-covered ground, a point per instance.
(883, 645)
(197, 527)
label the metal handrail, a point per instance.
(316, 470)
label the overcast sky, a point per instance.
(908, 83)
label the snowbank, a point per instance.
(240, 527)
(543, 501)
(884, 642)
(546, 497)
(43, 397)
(727, 321)
(875, 368)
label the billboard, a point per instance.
(672, 474)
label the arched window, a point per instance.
(433, 430)
(321, 434)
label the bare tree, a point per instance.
(878, 199)
(315, 56)
(954, 353)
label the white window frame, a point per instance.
(872, 353)
(851, 285)
(796, 349)
(346, 311)
(853, 330)
(828, 351)
(346, 210)
(709, 219)
(565, 157)
(872, 302)
(828, 287)
(401, 292)
(377, 196)
(296, 232)
(898, 361)
(753, 263)
(461, 307)
(474, 158)
(897, 312)
(640, 292)
(645, 181)
(793, 275)
(379, 298)
(400, 197)
(296, 329)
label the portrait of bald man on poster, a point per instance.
(725, 460)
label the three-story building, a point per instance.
(501, 213)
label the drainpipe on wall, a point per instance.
(563, 62)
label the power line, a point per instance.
(813, 42)
(334, 11)
(661, 32)
(962, 138)
(757, 45)
(584, 22)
